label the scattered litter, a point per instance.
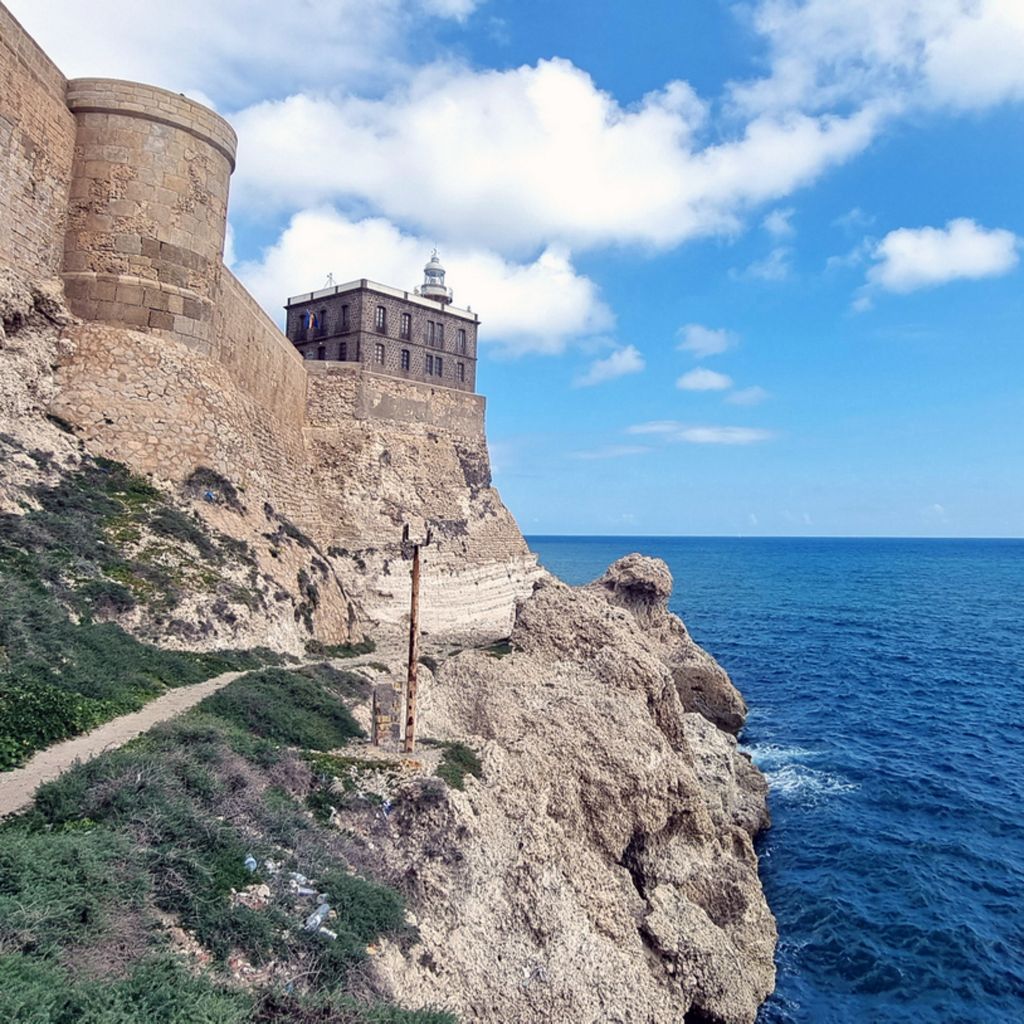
(271, 867)
(301, 890)
(327, 933)
(298, 877)
(250, 864)
(317, 918)
(255, 897)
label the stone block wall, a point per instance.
(37, 144)
(148, 208)
(346, 391)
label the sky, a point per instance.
(742, 268)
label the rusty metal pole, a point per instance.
(414, 645)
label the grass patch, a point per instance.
(64, 573)
(321, 650)
(457, 762)
(165, 824)
(286, 707)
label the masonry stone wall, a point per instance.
(37, 144)
(346, 391)
(148, 208)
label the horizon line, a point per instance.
(760, 536)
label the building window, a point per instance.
(378, 353)
(405, 359)
(321, 352)
(406, 326)
(428, 365)
(462, 340)
(440, 335)
(431, 328)
(322, 323)
(438, 368)
(462, 373)
(380, 320)
(343, 351)
(345, 324)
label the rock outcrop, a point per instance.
(603, 869)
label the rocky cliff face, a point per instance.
(603, 868)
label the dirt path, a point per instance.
(18, 787)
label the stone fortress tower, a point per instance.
(417, 336)
(148, 208)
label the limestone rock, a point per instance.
(603, 868)
(643, 586)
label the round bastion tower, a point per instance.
(148, 209)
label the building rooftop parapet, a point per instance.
(383, 289)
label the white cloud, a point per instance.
(655, 427)
(563, 160)
(723, 435)
(539, 306)
(912, 258)
(705, 341)
(612, 451)
(702, 379)
(958, 53)
(754, 395)
(777, 223)
(621, 362)
(459, 10)
(672, 430)
(775, 266)
(234, 50)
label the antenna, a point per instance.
(330, 281)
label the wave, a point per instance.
(807, 786)
(772, 755)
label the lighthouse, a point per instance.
(433, 286)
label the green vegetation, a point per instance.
(66, 568)
(286, 707)
(163, 827)
(457, 762)
(499, 650)
(322, 650)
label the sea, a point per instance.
(885, 680)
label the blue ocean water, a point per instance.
(886, 685)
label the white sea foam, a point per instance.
(807, 785)
(772, 755)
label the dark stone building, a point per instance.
(417, 335)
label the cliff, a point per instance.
(601, 867)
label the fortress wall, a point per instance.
(148, 208)
(37, 143)
(343, 391)
(148, 401)
(262, 362)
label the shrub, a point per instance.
(285, 707)
(457, 762)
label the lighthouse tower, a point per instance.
(433, 286)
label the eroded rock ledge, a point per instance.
(603, 869)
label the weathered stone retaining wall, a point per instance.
(37, 146)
